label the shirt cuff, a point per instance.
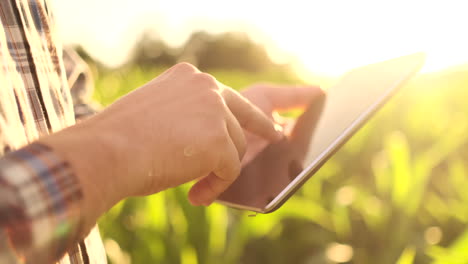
(39, 202)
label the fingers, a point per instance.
(206, 190)
(289, 97)
(236, 133)
(249, 116)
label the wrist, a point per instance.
(93, 162)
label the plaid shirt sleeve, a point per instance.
(39, 206)
(80, 81)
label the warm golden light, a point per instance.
(328, 36)
(433, 235)
(345, 195)
(339, 253)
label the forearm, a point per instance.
(53, 191)
(90, 155)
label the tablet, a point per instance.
(282, 168)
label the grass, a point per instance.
(396, 192)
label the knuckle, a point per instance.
(230, 170)
(235, 170)
(206, 80)
(185, 67)
(236, 173)
(212, 103)
(213, 99)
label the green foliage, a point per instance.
(231, 50)
(396, 193)
(228, 51)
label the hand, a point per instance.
(181, 126)
(272, 99)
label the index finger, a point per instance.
(289, 97)
(249, 116)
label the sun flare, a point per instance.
(328, 37)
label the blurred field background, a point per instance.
(397, 192)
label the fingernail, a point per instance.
(194, 203)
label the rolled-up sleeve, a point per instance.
(40, 201)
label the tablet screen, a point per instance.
(323, 127)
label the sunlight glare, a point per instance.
(328, 37)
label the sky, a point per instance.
(327, 36)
